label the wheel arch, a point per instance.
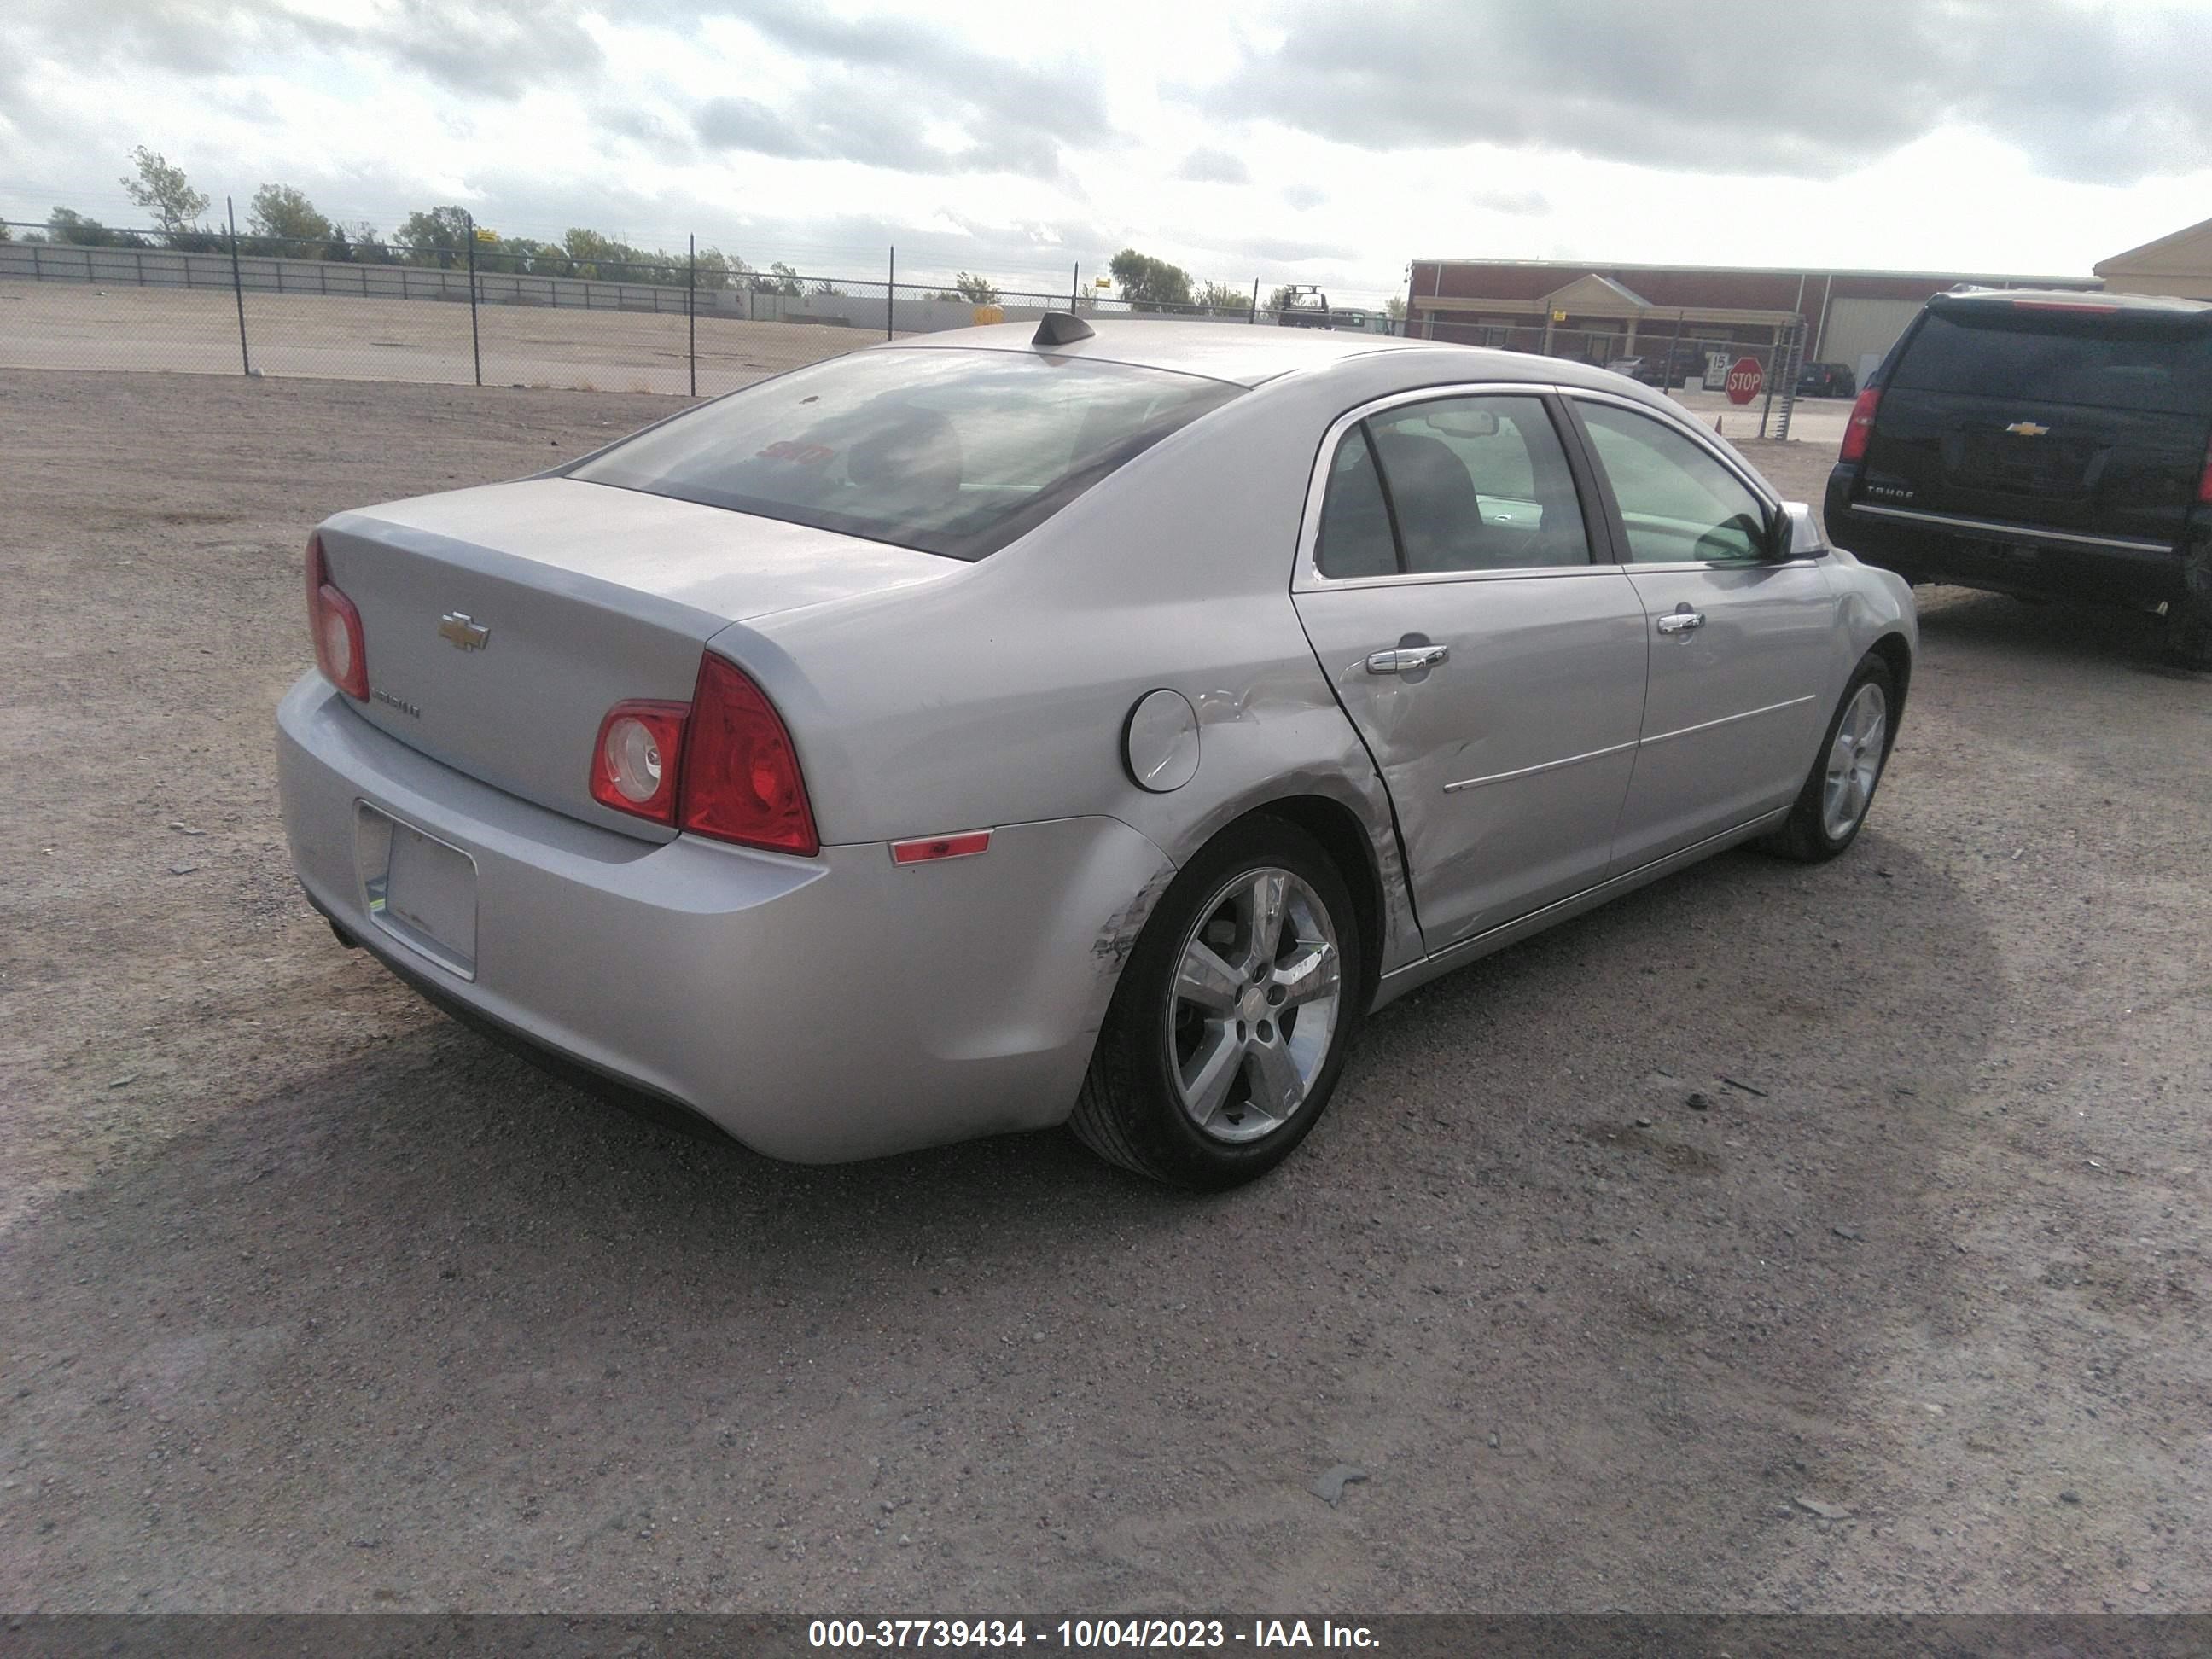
(1351, 849)
(1896, 655)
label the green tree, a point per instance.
(975, 289)
(6, 234)
(1395, 305)
(285, 216)
(439, 237)
(1279, 299)
(164, 191)
(1221, 299)
(1148, 283)
(68, 225)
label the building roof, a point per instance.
(1779, 271)
(2186, 250)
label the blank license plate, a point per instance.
(419, 889)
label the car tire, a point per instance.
(1838, 793)
(1276, 1025)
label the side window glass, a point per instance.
(1479, 484)
(1678, 505)
(1355, 524)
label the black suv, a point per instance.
(2042, 443)
(1826, 381)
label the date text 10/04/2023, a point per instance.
(1087, 1634)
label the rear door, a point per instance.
(1742, 644)
(2081, 418)
(1493, 666)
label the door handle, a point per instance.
(1681, 622)
(1404, 658)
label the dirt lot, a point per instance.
(310, 1300)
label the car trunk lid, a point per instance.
(500, 624)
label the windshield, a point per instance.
(2062, 359)
(948, 451)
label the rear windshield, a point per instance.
(948, 451)
(2062, 359)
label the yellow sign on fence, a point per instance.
(485, 234)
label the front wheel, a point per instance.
(1832, 805)
(1233, 1016)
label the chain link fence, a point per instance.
(476, 310)
(1742, 387)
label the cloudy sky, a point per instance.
(1325, 141)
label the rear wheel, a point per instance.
(1832, 805)
(1232, 1021)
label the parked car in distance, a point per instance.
(2045, 444)
(1658, 371)
(994, 730)
(1305, 306)
(1826, 381)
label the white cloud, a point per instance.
(1243, 141)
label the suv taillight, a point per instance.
(2204, 478)
(741, 779)
(1860, 426)
(339, 650)
(721, 765)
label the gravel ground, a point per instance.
(1774, 1238)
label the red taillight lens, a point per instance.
(638, 758)
(741, 779)
(2204, 478)
(1860, 426)
(332, 618)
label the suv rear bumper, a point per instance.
(2005, 558)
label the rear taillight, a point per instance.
(1860, 426)
(638, 758)
(339, 650)
(741, 779)
(2204, 478)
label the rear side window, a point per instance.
(2062, 359)
(1466, 483)
(950, 451)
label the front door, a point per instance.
(1740, 642)
(1495, 670)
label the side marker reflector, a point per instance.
(966, 844)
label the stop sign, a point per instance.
(1745, 377)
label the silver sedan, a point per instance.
(1000, 729)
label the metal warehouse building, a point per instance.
(1599, 312)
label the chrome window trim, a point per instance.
(2012, 532)
(1307, 576)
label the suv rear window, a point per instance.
(947, 451)
(2061, 358)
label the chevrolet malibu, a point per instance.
(999, 729)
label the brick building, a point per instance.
(1602, 312)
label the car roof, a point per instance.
(2072, 299)
(1248, 354)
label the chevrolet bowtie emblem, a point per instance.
(466, 636)
(2018, 428)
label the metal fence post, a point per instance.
(1256, 300)
(890, 276)
(238, 288)
(476, 346)
(691, 314)
(1074, 286)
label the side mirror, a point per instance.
(1797, 533)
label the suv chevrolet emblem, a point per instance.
(2027, 429)
(466, 636)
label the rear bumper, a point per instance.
(2007, 557)
(815, 1009)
